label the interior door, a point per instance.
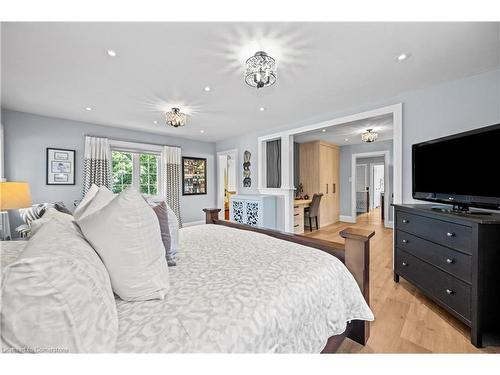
(378, 183)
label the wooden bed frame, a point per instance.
(355, 254)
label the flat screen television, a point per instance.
(462, 169)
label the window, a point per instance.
(138, 169)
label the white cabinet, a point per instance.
(254, 210)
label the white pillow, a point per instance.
(100, 199)
(86, 199)
(126, 235)
(58, 295)
(50, 214)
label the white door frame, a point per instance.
(233, 153)
(287, 188)
(354, 157)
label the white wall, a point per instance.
(27, 136)
(428, 113)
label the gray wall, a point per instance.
(27, 136)
(345, 170)
(428, 113)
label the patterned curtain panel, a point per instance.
(96, 163)
(172, 179)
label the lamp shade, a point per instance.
(14, 195)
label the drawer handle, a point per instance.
(449, 261)
(404, 264)
(405, 241)
(450, 234)
(450, 292)
(406, 221)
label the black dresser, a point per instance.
(454, 259)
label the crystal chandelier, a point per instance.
(176, 118)
(369, 136)
(261, 70)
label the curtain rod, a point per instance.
(131, 141)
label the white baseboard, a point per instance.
(193, 223)
(347, 219)
(389, 224)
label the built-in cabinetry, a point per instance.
(319, 173)
(454, 260)
(255, 210)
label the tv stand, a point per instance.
(453, 259)
(459, 210)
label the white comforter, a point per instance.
(239, 291)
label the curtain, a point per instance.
(96, 163)
(273, 170)
(172, 179)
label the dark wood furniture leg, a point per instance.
(310, 224)
(316, 223)
(396, 277)
(355, 254)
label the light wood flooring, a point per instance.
(405, 320)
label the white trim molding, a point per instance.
(346, 219)
(233, 153)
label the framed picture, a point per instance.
(194, 176)
(60, 166)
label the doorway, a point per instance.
(371, 187)
(227, 162)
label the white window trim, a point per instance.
(137, 148)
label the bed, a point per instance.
(240, 291)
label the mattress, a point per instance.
(236, 291)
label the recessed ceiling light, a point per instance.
(346, 139)
(402, 57)
(88, 108)
(111, 53)
(323, 130)
(262, 109)
(202, 131)
(207, 88)
(155, 122)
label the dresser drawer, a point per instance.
(452, 261)
(441, 232)
(450, 291)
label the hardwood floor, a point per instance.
(405, 320)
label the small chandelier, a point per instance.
(369, 136)
(261, 70)
(176, 118)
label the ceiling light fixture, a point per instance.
(346, 139)
(402, 57)
(262, 109)
(88, 108)
(155, 122)
(260, 70)
(207, 88)
(369, 136)
(111, 52)
(323, 130)
(202, 131)
(176, 118)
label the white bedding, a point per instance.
(239, 291)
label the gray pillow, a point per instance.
(161, 212)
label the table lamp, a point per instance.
(13, 195)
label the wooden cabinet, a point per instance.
(453, 259)
(319, 173)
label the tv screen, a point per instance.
(463, 169)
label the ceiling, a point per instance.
(59, 69)
(350, 133)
